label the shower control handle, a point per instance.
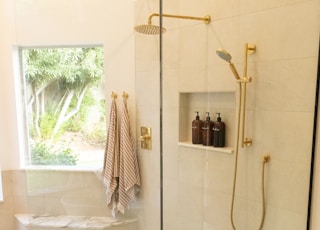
(145, 138)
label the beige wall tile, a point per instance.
(19, 182)
(223, 9)
(293, 79)
(7, 221)
(7, 184)
(281, 33)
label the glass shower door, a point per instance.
(131, 71)
(198, 180)
(148, 112)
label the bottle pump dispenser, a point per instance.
(197, 125)
(218, 132)
(207, 132)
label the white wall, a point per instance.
(62, 23)
(8, 120)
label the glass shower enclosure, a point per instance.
(169, 76)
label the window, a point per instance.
(64, 106)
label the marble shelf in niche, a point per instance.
(188, 144)
(223, 102)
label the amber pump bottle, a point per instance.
(218, 132)
(207, 134)
(197, 125)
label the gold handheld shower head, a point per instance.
(153, 29)
(227, 57)
(224, 55)
(242, 84)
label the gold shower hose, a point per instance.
(265, 160)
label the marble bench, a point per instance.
(43, 222)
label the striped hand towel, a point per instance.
(111, 160)
(129, 178)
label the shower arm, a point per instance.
(206, 19)
(245, 142)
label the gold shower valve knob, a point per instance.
(252, 48)
(145, 138)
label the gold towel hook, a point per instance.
(114, 95)
(125, 95)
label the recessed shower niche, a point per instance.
(203, 102)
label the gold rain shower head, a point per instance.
(153, 29)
